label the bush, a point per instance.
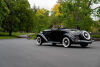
(95, 36)
(32, 36)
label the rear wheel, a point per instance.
(66, 42)
(39, 40)
(84, 45)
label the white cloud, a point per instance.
(47, 4)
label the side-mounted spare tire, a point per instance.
(85, 35)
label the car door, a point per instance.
(57, 35)
(47, 34)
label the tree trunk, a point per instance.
(77, 19)
(10, 33)
(76, 13)
(11, 30)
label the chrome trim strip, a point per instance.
(44, 37)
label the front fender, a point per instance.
(70, 36)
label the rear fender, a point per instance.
(42, 36)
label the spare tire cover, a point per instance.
(85, 35)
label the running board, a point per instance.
(52, 42)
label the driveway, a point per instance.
(25, 53)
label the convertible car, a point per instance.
(66, 37)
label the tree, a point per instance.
(76, 13)
(55, 15)
(10, 20)
(98, 13)
(43, 21)
(56, 9)
(3, 11)
(20, 18)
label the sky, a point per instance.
(47, 4)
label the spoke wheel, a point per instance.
(39, 40)
(66, 42)
(86, 35)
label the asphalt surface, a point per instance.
(25, 53)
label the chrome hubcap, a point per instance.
(66, 42)
(86, 35)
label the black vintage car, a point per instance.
(66, 37)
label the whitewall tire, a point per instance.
(86, 35)
(39, 40)
(66, 42)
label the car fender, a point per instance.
(70, 36)
(43, 37)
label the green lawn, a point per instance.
(33, 36)
(95, 36)
(5, 35)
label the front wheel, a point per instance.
(66, 42)
(84, 45)
(39, 40)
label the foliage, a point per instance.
(23, 18)
(56, 10)
(43, 21)
(20, 18)
(95, 36)
(33, 36)
(75, 13)
(3, 11)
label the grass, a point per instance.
(95, 36)
(5, 35)
(33, 36)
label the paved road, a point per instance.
(25, 53)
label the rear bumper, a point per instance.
(84, 41)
